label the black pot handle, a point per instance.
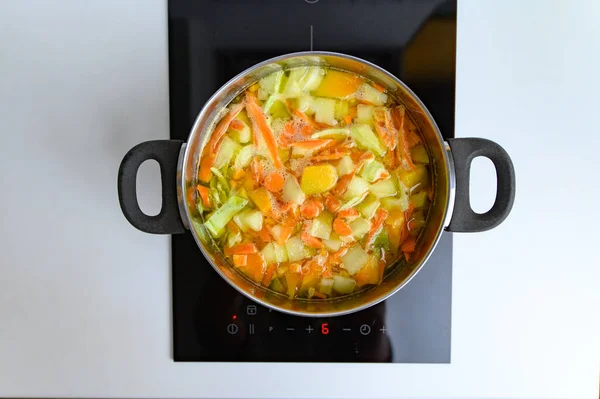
(166, 153)
(464, 219)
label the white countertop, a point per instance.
(85, 298)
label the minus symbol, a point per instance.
(290, 329)
(346, 329)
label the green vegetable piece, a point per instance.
(356, 188)
(333, 243)
(325, 110)
(243, 158)
(345, 165)
(354, 259)
(292, 191)
(243, 135)
(277, 286)
(373, 171)
(368, 93)
(295, 249)
(326, 286)
(343, 285)
(226, 152)
(217, 221)
(322, 225)
(419, 200)
(369, 206)
(367, 139)
(272, 82)
(383, 188)
(360, 227)
(364, 113)
(268, 253)
(394, 204)
(419, 155)
(382, 240)
(341, 109)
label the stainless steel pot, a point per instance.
(450, 209)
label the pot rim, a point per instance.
(195, 130)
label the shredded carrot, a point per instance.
(398, 116)
(223, 125)
(376, 226)
(274, 182)
(313, 145)
(342, 184)
(236, 124)
(269, 274)
(348, 119)
(341, 227)
(407, 256)
(330, 156)
(207, 161)
(232, 227)
(331, 203)
(320, 295)
(295, 268)
(336, 257)
(259, 123)
(379, 87)
(310, 240)
(311, 209)
(284, 234)
(240, 260)
(264, 235)
(241, 249)
(349, 213)
(256, 169)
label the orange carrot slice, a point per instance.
(409, 245)
(259, 123)
(223, 125)
(378, 87)
(398, 116)
(380, 218)
(274, 182)
(313, 145)
(269, 274)
(310, 240)
(256, 169)
(341, 227)
(311, 209)
(240, 260)
(320, 295)
(349, 213)
(241, 249)
(332, 204)
(203, 191)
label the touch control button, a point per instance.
(232, 329)
(365, 329)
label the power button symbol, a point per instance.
(365, 329)
(232, 329)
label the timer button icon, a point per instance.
(365, 329)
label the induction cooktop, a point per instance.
(209, 43)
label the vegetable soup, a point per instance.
(314, 183)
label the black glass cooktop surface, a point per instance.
(210, 42)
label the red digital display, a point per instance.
(325, 328)
(234, 317)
